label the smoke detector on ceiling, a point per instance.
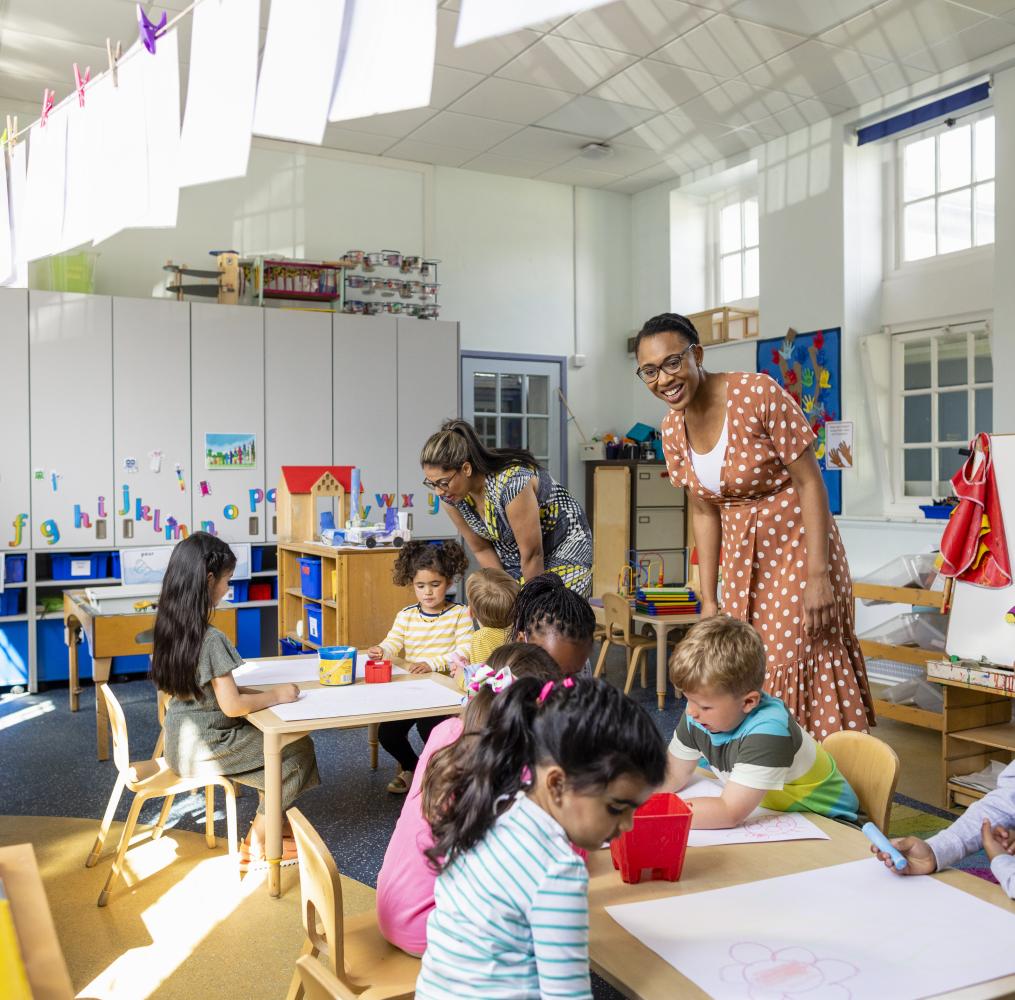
(597, 151)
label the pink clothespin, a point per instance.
(80, 82)
(48, 97)
(149, 30)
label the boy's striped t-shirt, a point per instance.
(511, 916)
(427, 638)
(770, 751)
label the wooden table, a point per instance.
(662, 625)
(639, 972)
(40, 949)
(110, 635)
(278, 734)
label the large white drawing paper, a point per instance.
(479, 19)
(18, 184)
(6, 232)
(215, 141)
(368, 699)
(298, 69)
(852, 930)
(47, 164)
(387, 58)
(294, 669)
(82, 151)
(761, 826)
(162, 129)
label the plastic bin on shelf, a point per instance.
(289, 647)
(915, 692)
(10, 603)
(15, 568)
(260, 591)
(256, 559)
(315, 624)
(915, 571)
(919, 631)
(239, 590)
(657, 840)
(80, 566)
(310, 577)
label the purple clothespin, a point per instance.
(48, 97)
(149, 31)
(80, 82)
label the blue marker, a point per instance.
(882, 843)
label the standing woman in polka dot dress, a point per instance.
(741, 447)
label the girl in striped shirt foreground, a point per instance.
(558, 762)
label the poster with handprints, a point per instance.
(839, 444)
(808, 367)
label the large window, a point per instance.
(738, 250)
(947, 188)
(943, 381)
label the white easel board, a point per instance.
(852, 930)
(976, 626)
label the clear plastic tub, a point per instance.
(915, 692)
(918, 571)
(921, 631)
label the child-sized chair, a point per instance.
(871, 767)
(148, 779)
(319, 984)
(357, 954)
(619, 632)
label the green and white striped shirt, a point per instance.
(511, 917)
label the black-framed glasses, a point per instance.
(440, 485)
(673, 365)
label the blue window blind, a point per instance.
(927, 113)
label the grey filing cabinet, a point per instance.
(658, 516)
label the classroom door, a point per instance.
(512, 402)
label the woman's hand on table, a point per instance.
(419, 668)
(819, 604)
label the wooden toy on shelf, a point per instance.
(226, 289)
(297, 495)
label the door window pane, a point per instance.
(918, 230)
(486, 428)
(511, 432)
(729, 229)
(539, 393)
(983, 411)
(484, 392)
(952, 360)
(916, 466)
(916, 417)
(954, 156)
(984, 143)
(983, 214)
(751, 260)
(731, 287)
(983, 368)
(918, 169)
(953, 221)
(511, 394)
(917, 365)
(539, 436)
(953, 416)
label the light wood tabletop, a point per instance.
(40, 949)
(279, 733)
(639, 972)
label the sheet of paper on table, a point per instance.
(761, 826)
(368, 699)
(293, 669)
(847, 930)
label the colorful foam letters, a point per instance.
(50, 531)
(19, 523)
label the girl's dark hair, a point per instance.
(185, 612)
(589, 729)
(667, 323)
(447, 558)
(545, 604)
(450, 763)
(457, 443)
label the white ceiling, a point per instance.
(671, 85)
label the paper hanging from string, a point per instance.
(215, 141)
(7, 267)
(47, 166)
(18, 182)
(479, 19)
(298, 70)
(387, 59)
(82, 156)
(162, 130)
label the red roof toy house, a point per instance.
(296, 501)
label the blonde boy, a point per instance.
(750, 740)
(491, 595)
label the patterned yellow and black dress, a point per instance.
(567, 537)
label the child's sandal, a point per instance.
(399, 785)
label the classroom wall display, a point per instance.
(230, 451)
(15, 461)
(808, 367)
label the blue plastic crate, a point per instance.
(10, 603)
(937, 511)
(240, 590)
(80, 565)
(15, 568)
(114, 564)
(13, 653)
(51, 653)
(315, 625)
(256, 559)
(310, 577)
(290, 647)
(248, 633)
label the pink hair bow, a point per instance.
(484, 675)
(567, 682)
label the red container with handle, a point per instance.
(657, 841)
(378, 671)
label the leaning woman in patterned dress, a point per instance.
(741, 447)
(512, 513)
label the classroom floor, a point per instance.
(187, 916)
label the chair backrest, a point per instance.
(321, 891)
(319, 983)
(118, 725)
(871, 767)
(618, 615)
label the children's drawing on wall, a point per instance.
(808, 367)
(230, 451)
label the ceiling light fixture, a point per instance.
(597, 151)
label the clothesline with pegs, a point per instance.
(115, 60)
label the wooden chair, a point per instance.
(357, 955)
(319, 984)
(871, 767)
(619, 632)
(147, 779)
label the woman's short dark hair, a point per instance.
(667, 323)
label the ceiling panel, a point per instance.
(336, 137)
(463, 131)
(481, 57)
(812, 68)
(637, 26)
(577, 173)
(657, 85)
(565, 65)
(542, 145)
(495, 163)
(665, 133)
(450, 84)
(511, 101)
(806, 17)
(594, 116)
(428, 152)
(397, 124)
(736, 103)
(980, 40)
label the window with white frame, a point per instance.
(946, 185)
(738, 251)
(944, 394)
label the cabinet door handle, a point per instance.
(645, 520)
(253, 525)
(644, 475)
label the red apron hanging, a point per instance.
(973, 547)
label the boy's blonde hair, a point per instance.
(721, 653)
(491, 594)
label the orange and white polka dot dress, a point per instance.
(822, 679)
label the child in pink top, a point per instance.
(405, 884)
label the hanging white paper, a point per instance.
(387, 58)
(298, 69)
(83, 131)
(848, 930)
(162, 130)
(18, 183)
(47, 165)
(6, 232)
(368, 699)
(479, 19)
(215, 141)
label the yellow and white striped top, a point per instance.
(432, 639)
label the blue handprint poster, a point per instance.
(808, 367)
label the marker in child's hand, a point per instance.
(882, 843)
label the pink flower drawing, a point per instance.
(787, 973)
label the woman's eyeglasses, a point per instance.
(672, 366)
(440, 485)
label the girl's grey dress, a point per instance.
(201, 739)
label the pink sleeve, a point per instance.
(783, 420)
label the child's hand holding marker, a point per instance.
(997, 840)
(375, 653)
(904, 855)
(287, 693)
